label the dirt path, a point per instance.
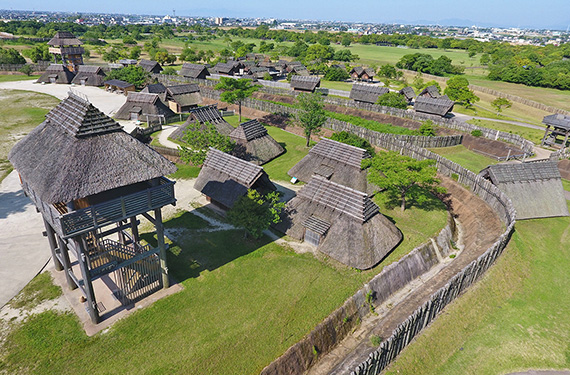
(481, 227)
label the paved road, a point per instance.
(23, 249)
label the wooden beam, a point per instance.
(53, 246)
(81, 246)
(150, 218)
(66, 263)
(161, 247)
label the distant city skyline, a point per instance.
(547, 14)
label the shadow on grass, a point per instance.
(417, 197)
(206, 247)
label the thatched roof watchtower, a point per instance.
(85, 175)
(66, 48)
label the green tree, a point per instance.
(458, 90)
(199, 139)
(501, 103)
(11, 56)
(427, 128)
(135, 53)
(398, 175)
(133, 74)
(169, 71)
(393, 99)
(353, 140)
(311, 114)
(388, 71)
(27, 70)
(336, 74)
(346, 40)
(235, 91)
(255, 212)
(112, 55)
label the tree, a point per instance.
(336, 74)
(199, 139)
(112, 55)
(133, 74)
(398, 175)
(26, 69)
(11, 56)
(499, 103)
(346, 40)
(169, 71)
(353, 140)
(235, 91)
(135, 53)
(255, 212)
(393, 99)
(311, 115)
(427, 128)
(458, 90)
(388, 71)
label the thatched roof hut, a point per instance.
(558, 121)
(57, 73)
(64, 38)
(560, 126)
(181, 98)
(430, 91)
(230, 68)
(360, 73)
(362, 92)
(335, 161)
(196, 71)
(202, 115)
(408, 93)
(305, 83)
(89, 75)
(254, 144)
(143, 106)
(535, 188)
(439, 106)
(78, 151)
(150, 66)
(156, 88)
(118, 86)
(225, 178)
(342, 222)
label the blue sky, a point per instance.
(515, 13)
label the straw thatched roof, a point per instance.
(336, 161)
(535, 188)
(196, 71)
(225, 178)
(79, 151)
(119, 84)
(150, 66)
(229, 68)
(59, 72)
(349, 225)
(64, 38)
(185, 95)
(430, 91)
(305, 83)
(408, 93)
(557, 120)
(439, 106)
(254, 144)
(156, 88)
(91, 75)
(202, 115)
(362, 92)
(144, 104)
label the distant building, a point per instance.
(364, 93)
(362, 74)
(150, 66)
(196, 71)
(439, 106)
(305, 83)
(66, 48)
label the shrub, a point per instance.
(375, 340)
(169, 71)
(427, 128)
(394, 100)
(353, 140)
(477, 133)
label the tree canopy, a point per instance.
(393, 99)
(458, 90)
(398, 175)
(311, 115)
(499, 103)
(424, 63)
(133, 74)
(353, 140)
(235, 90)
(199, 139)
(255, 212)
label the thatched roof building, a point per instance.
(430, 91)
(64, 38)
(440, 106)
(118, 86)
(335, 161)
(78, 151)
(362, 92)
(181, 98)
(150, 66)
(156, 88)
(230, 68)
(57, 73)
(305, 83)
(225, 178)
(144, 107)
(202, 115)
(535, 188)
(89, 75)
(254, 144)
(196, 71)
(342, 222)
(408, 93)
(556, 125)
(362, 74)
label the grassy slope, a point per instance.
(469, 159)
(533, 135)
(514, 319)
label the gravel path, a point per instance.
(164, 134)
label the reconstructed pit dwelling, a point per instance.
(90, 180)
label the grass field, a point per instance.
(459, 154)
(295, 150)
(515, 319)
(16, 77)
(533, 135)
(20, 112)
(244, 303)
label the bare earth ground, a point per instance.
(481, 227)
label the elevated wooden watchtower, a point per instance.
(66, 49)
(90, 180)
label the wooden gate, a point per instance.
(139, 279)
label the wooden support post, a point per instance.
(53, 245)
(161, 247)
(135, 229)
(565, 139)
(545, 134)
(121, 234)
(63, 250)
(87, 284)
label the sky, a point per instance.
(506, 13)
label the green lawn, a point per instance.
(533, 135)
(566, 184)
(515, 319)
(459, 154)
(344, 86)
(295, 150)
(16, 77)
(185, 171)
